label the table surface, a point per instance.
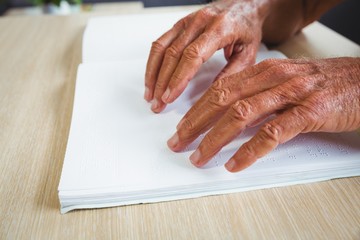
(39, 57)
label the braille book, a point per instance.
(117, 154)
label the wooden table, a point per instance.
(39, 57)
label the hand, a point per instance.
(178, 54)
(304, 95)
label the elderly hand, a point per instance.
(177, 55)
(304, 95)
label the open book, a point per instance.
(117, 153)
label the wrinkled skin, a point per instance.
(305, 95)
(177, 55)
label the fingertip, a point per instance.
(157, 106)
(234, 165)
(147, 94)
(231, 165)
(173, 142)
(169, 96)
(166, 95)
(195, 158)
(174, 90)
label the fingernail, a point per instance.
(230, 165)
(166, 95)
(154, 104)
(147, 94)
(195, 157)
(173, 141)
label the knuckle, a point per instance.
(157, 46)
(205, 12)
(188, 130)
(220, 95)
(301, 85)
(241, 111)
(219, 27)
(181, 24)
(187, 125)
(222, 21)
(173, 51)
(218, 84)
(192, 52)
(271, 131)
(321, 82)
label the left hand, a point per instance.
(306, 96)
(174, 59)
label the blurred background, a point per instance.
(344, 19)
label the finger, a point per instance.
(236, 119)
(204, 113)
(226, 91)
(192, 126)
(220, 96)
(193, 57)
(283, 128)
(240, 58)
(214, 103)
(156, 56)
(172, 57)
(246, 111)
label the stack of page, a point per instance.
(117, 153)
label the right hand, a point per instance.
(177, 55)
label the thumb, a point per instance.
(238, 60)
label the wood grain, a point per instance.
(38, 63)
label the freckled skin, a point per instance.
(178, 54)
(306, 95)
(324, 95)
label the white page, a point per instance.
(116, 142)
(125, 37)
